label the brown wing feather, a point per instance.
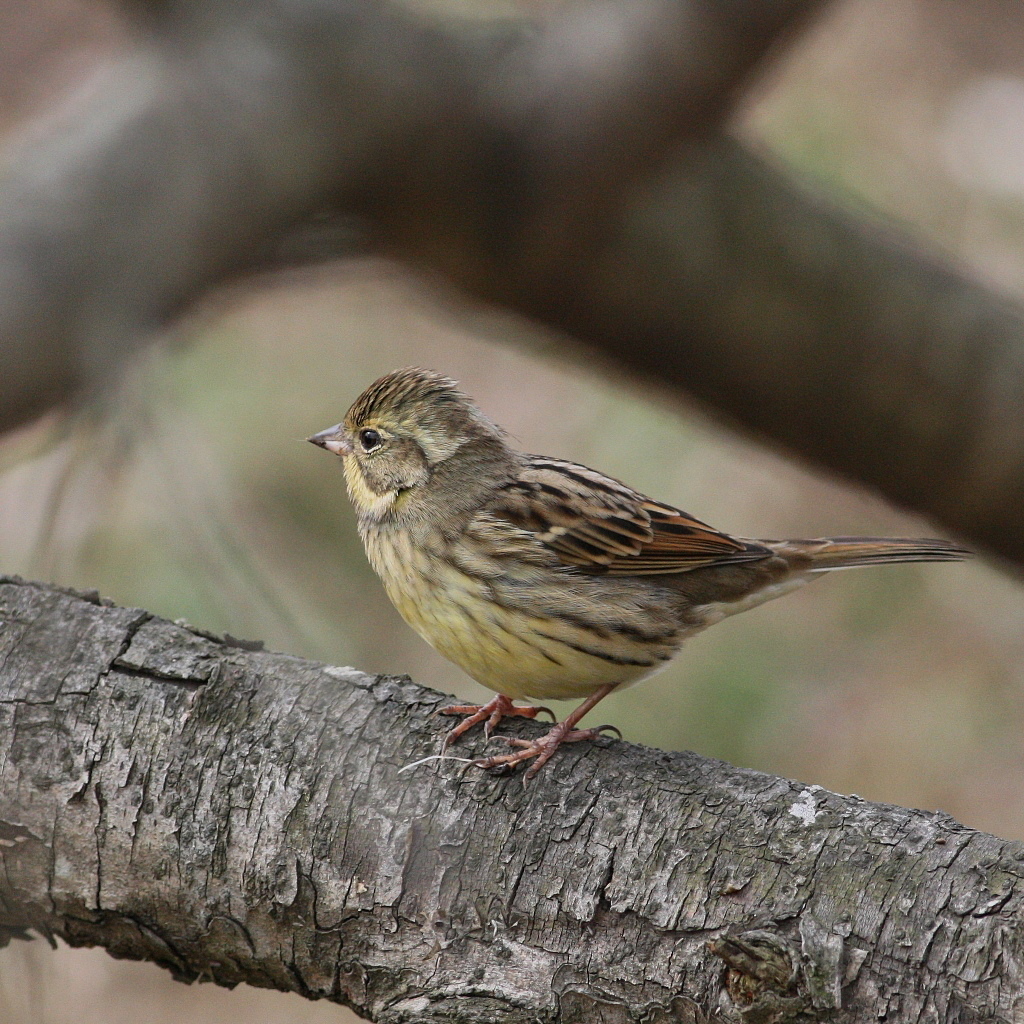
(596, 523)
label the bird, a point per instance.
(542, 578)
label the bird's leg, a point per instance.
(544, 746)
(497, 708)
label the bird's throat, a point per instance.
(369, 504)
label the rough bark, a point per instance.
(236, 815)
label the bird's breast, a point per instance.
(524, 631)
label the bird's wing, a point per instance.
(598, 524)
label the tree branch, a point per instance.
(181, 161)
(505, 161)
(236, 815)
(227, 124)
(820, 330)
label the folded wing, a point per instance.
(600, 525)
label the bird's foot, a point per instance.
(541, 748)
(491, 714)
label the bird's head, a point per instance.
(399, 431)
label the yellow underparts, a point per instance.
(521, 655)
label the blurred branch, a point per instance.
(180, 162)
(229, 123)
(819, 330)
(236, 815)
(524, 164)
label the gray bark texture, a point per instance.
(237, 815)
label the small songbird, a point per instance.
(544, 579)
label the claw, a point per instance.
(490, 714)
(492, 723)
(540, 749)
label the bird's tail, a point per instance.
(848, 552)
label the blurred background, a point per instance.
(192, 493)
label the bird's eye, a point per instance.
(369, 439)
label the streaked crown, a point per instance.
(424, 404)
(405, 390)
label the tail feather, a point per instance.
(848, 552)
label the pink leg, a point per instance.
(497, 708)
(543, 747)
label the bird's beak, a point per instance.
(333, 439)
